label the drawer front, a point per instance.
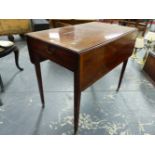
(54, 53)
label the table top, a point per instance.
(82, 37)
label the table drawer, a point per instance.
(57, 54)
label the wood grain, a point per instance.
(89, 50)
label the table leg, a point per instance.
(122, 74)
(77, 97)
(39, 79)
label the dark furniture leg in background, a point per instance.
(1, 84)
(7, 51)
(22, 36)
(11, 38)
(16, 52)
(39, 79)
(122, 74)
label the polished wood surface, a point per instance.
(149, 66)
(89, 50)
(80, 38)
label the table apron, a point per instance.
(44, 51)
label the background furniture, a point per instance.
(89, 50)
(139, 45)
(60, 23)
(141, 24)
(111, 21)
(21, 26)
(39, 24)
(14, 26)
(149, 66)
(4, 51)
(147, 43)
